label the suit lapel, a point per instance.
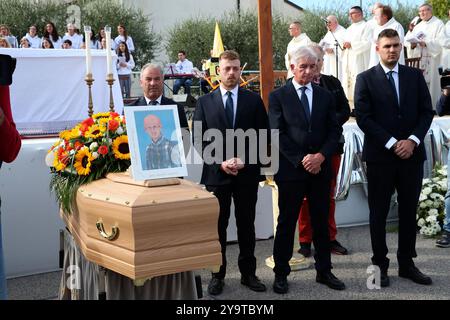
(239, 110)
(385, 86)
(316, 101)
(220, 108)
(296, 104)
(402, 83)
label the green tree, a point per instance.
(440, 8)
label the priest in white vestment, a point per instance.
(445, 43)
(424, 42)
(385, 20)
(299, 39)
(328, 43)
(355, 57)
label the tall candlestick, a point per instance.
(87, 38)
(108, 50)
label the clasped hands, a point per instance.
(232, 166)
(312, 162)
(404, 148)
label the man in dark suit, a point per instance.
(232, 174)
(152, 84)
(333, 85)
(393, 109)
(302, 118)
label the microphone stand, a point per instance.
(337, 46)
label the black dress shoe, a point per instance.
(384, 279)
(253, 283)
(414, 274)
(330, 280)
(338, 248)
(305, 249)
(215, 286)
(280, 284)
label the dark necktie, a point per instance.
(229, 109)
(153, 103)
(305, 103)
(392, 82)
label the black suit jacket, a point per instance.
(166, 101)
(380, 117)
(296, 136)
(333, 85)
(181, 115)
(210, 113)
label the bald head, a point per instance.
(332, 22)
(152, 125)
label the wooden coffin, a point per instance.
(143, 232)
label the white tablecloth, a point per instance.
(48, 85)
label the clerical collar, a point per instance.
(148, 100)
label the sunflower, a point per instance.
(120, 148)
(95, 132)
(83, 162)
(101, 115)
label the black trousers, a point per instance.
(244, 197)
(290, 199)
(383, 179)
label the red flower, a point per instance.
(86, 124)
(103, 150)
(78, 145)
(114, 115)
(113, 125)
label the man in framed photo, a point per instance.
(161, 153)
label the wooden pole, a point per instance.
(265, 49)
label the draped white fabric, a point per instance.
(48, 85)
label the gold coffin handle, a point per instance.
(101, 229)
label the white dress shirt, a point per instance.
(392, 140)
(234, 96)
(308, 92)
(157, 100)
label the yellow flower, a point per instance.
(120, 148)
(95, 132)
(83, 161)
(66, 134)
(101, 115)
(58, 165)
(103, 123)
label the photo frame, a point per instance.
(155, 140)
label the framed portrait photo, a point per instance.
(155, 140)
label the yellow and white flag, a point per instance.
(218, 44)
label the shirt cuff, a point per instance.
(414, 138)
(390, 143)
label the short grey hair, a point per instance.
(303, 52)
(429, 6)
(153, 65)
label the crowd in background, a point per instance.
(73, 39)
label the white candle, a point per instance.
(87, 38)
(108, 50)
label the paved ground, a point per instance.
(351, 269)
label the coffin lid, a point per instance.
(120, 189)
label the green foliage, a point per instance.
(196, 44)
(440, 8)
(96, 13)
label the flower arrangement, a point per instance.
(431, 211)
(87, 152)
